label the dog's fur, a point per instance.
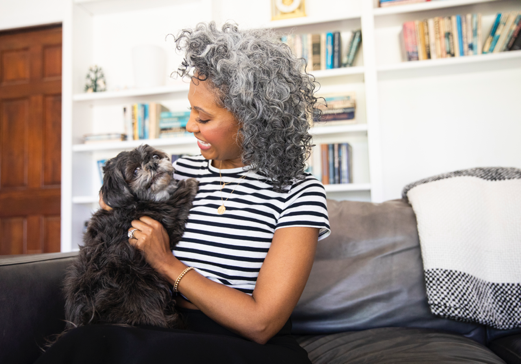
(111, 282)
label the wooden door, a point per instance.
(30, 140)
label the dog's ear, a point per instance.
(115, 190)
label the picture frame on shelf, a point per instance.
(287, 9)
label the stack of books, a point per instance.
(173, 124)
(331, 163)
(152, 121)
(103, 138)
(338, 109)
(325, 50)
(458, 36)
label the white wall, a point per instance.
(25, 13)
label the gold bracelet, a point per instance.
(181, 276)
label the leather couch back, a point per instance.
(31, 304)
(368, 274)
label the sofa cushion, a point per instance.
(368, 273)
(30, 291)
(395, 345)
(508, 348)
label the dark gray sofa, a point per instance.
(365, 301)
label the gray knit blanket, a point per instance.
(469, 224)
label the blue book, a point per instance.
(140, 121)
(486, 47)
(460, 36)
(331, 160)
(101, 163)
(499, 30)
(146, 122)
(167, 124)
(475, 33)
(329, 50)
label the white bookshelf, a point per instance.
(104, 31)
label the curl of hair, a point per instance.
(257, 78)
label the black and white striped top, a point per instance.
(231, 248)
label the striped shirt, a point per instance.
(230, 248)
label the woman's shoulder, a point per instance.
(308, 184)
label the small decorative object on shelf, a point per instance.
(325, 51)
(95, 80)
(286, 9)
(338, 109)
(459, 36)
(331, 163)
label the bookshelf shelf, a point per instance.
(447, 62)
(339, 72)
(297, 22)
(166, 142)
(125, 94)
(190, 139)
(399, 9)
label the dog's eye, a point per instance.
(136, 171)
(155, 156)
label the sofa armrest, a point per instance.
(31, 303)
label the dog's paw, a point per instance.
(193, 184)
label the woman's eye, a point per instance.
(136, 171)
(202, 121)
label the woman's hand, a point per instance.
(151, 238)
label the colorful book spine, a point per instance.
(488, 42)
(354, 48)
(324, 153)
(514, 37)
(504, 33)
(470, 35)
(329, 51)
(480, 38)
(331, 159)
(511, 32)
(448, 37)
(498, 32)
(336, 50)
(460, 36)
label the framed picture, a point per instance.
(286, 9)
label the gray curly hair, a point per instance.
(257, 78)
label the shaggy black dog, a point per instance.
(111, 282)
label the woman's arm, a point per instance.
(279, 285)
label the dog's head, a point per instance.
(143, 174)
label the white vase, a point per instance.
(149, 63)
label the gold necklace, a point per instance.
(221, 209)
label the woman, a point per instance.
(257, 217)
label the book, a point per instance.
(449, 48)
(174, 114)
(305, 51)
(437, 38)
(323, 46)
(480, 36)
(432, 39)
(511, 32)
(101, 163)
(336, 50)
(345, 163)
(346, 39)
(488, 42)
(455, 35)
(155, 110)
(460, 36)
(146, 122)
(464, 35)
(324, 153)
(498, 32)
(329, 50)
(470, 35)
(127, 122)
(517, 43)
(336, 156)
(514, 37)
(504, 33)
(426, 41)
(475, 35)
(134, 121)
(316, 38)
(331, 160)
(357, 39)
(420, 38)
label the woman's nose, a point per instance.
(191, 126)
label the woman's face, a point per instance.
(214, 127)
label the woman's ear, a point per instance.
(115, 190)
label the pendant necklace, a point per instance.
(222, 208)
